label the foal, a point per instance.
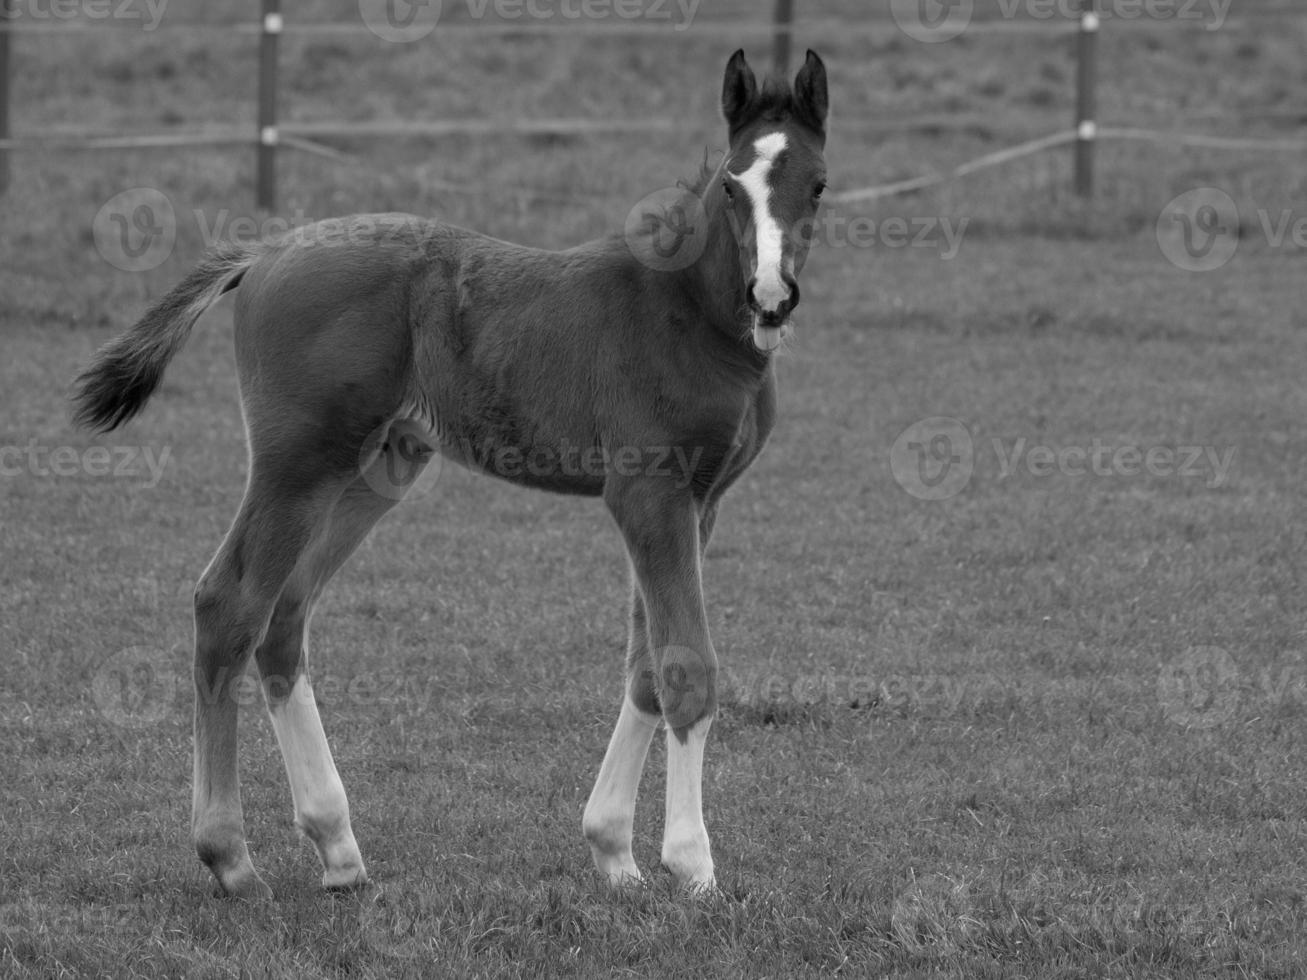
(408, 337)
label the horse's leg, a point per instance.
(610, 812)
(233, 602)
(321, 807)
(661, 529)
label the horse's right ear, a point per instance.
(739, 90)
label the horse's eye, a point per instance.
(730, 194)
(818, 191)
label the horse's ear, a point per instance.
(739, 89)
(810, 92)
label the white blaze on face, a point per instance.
(769, 289)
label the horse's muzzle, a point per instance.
(771, 326)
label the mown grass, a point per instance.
(948, 746)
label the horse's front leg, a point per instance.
(610, 812)
(660, 524)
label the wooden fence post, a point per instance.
(266, 180)
(782, 39)
(1086, 79)
(4, 93)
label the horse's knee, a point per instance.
(280, 655)
(687, 686)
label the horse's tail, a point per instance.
(125, 372)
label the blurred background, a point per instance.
(903, 107)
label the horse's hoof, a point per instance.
(345, 879)
(248, 888)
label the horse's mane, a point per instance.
(699, 183)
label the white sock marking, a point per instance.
(610, 813)
(321, 809)
(770, 290)
(685, 838)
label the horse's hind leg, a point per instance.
(233, 602)
(610, 812)
(321, 807)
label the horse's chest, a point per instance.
(727, 449)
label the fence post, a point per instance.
(1086, 79)
(782, 39)
(266, 191)
(4, 93)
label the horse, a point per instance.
(366, 349)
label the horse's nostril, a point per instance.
(793, 285)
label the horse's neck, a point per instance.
(720, 279)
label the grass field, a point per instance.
(1051, 726)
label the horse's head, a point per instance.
(773, 178)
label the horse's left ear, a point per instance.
(810, 92)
